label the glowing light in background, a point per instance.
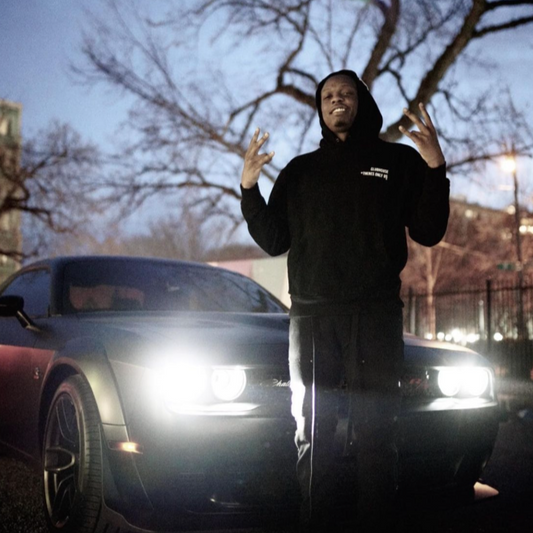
(508, 164)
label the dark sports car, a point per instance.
(154, 396)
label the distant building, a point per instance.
(464, 237)
(502, 221)
(270, 272)
(10, 141)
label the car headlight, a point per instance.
(189, 384)
(228, 383)
(184, 383)
(464, 381)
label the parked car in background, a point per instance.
(154, 396)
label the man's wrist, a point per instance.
(251, 187)
(436, 163)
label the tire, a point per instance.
(72, 459)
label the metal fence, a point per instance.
(495, 318)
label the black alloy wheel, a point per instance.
(72, 459)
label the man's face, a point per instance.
(339, 104)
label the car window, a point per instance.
(34, 287)
(114, 285)
(231, 292)
(105, 297)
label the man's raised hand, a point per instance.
(426, 138)
(254, 161)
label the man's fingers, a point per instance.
(262, 140)
(407, 133)
(414, 119)
(268, 157)
(255, 136)
(254, 161)
(253, 140)
(256, 144)
(418, 138)
(425, 138)
(425, 114)
(425, 125)
(263, 159)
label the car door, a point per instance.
(19, 378)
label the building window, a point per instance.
(4, 126)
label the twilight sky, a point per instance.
(40, 37)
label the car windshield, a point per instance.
(130, 285)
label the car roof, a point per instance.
(58, 262)
(57, 265)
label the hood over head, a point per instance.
(368, 121)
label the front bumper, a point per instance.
(206, 472)
(212, 471)
(446, 447)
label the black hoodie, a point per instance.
(341, 212)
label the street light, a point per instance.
(508, 164)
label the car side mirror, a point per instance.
(13, 306)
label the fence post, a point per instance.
(489, 314)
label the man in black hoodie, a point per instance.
(341, 213)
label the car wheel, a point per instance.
(72, 459)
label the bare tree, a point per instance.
(201, 74)
(480, 239)
(49, 181)
(479, 245)
(477, 241)
(185, 234)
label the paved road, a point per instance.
(510, 471)
(20, 498)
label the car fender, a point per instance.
(87, 356)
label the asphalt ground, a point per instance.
(509, 473)
(20, 498)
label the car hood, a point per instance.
(422, 352)
(227, 338)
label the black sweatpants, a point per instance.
(360, 354)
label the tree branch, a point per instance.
(429, 84)
(391, 15)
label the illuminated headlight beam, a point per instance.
(464, 381)
(184, 383)
(189, 384)
(228, 383)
